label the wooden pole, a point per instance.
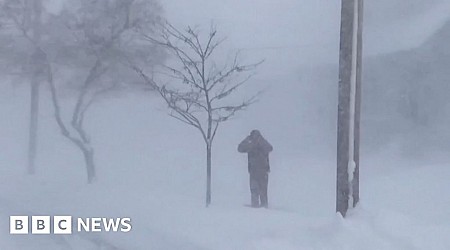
(350, 57)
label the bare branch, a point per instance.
(224, 113)
(211, 46)
(78, 112)
(235, 68)
(198, 45)
(172, 98)
(226, 92)
(57, 109)
(215, 130)
(181, 76)
(184, 103)
(174, 32)
(20, 25)
(182, 55)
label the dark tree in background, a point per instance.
(200, 93)
(104, 35)
(347, 187)
(22, 21)
(82, 51)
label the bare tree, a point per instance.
(24, 16)
(104, 30)
(201, 97)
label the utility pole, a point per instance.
(350, 57)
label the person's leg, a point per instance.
(263, 183)
(254, 190)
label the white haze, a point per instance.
(152, 167)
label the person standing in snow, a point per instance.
(258, 150)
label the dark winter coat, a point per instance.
(258, 150)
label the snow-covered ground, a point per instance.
(157, 176)
(151, 168)
(403, 207)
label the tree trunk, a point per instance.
(208, 174)
(84, 146)
(90, 166)
(36, 6)
(34, 111)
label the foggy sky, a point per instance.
(311, 27)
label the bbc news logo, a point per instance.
(63, 225)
